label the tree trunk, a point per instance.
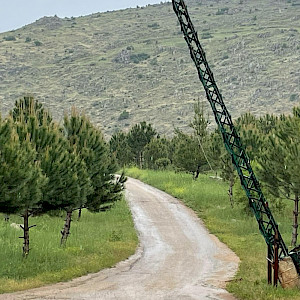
(66, 230)
(141, 159)
(295, 221)
(230, 191)
(25, 228)
(197, 172)
(79, 214)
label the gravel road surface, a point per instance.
(177, 258)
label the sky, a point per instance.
(17, 13)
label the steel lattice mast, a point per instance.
(267, 225)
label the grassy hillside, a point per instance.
(136, 60)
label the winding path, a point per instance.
(177, 258)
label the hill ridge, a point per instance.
(127, 66)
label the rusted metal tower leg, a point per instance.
(276, 259)
(269, 259)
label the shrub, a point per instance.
(38, 43)
(136, 58)
(124, 115)
(154, 26)
(153, 62)
(162, 163)
(222, 11)
(294, 97)
(206, 35)
(9, 38)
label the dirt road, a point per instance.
(177, 258)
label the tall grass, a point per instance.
(233, 226)
(97, 241)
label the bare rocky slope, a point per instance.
(135, 60)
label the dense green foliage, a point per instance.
(46, 167)
(138, 137)
(272, 144)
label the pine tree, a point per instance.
(267, 123)
(250, 134)
(187, 156)
(76, 194)
(200, 122)
(200, 127)
(221, 160)
(138, 137)
(280, 164)
(155, 151)
(21, 178)
(28, 106)
(119, 147)
(68, 180)
(101, 166)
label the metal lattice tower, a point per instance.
(232, 141)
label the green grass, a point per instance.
(234, 227)
(97, 241)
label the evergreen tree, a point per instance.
(119, 147)
(221, 160)
(280, 164)
(187, 156)
(28, 106)
(200, 127)
(69, 183)
(200, 122)
(138, 137)
(59, 161)
(267, 123)
(215, 149)
(250, 134)
(155, 151)
(21, 178)
(101, 166)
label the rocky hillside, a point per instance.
(131, 65)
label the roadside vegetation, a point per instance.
(53, 176)
(234, 226)
(272, 144)
(97, 241)
(195, 167)
(50, 172)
